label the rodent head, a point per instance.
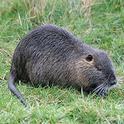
(95, 72)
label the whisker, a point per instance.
(98, 88)
(104, 90)
(101, 91)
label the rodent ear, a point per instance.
(89, 58)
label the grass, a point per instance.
(103, 28)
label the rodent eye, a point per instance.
(89, 58)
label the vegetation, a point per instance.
(98, 23)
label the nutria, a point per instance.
(51, 55)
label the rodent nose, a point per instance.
(113, 82)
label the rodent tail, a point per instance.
(15, 91)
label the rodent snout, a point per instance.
(113, 82)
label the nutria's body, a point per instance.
(51, 55)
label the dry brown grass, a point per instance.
(35, 7)
(87, 5)
(5, 5)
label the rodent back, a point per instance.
(48, 48)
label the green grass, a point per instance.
(104, 30)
